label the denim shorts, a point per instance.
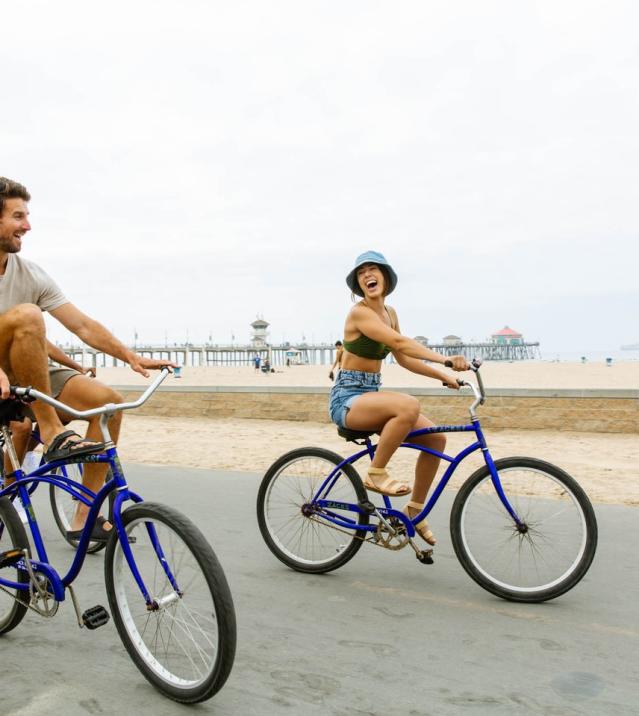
(348, 385)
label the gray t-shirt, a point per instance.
(26, 282)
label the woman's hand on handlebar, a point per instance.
(453, 385)
(458, 363)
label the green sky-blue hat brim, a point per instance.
(371, 257)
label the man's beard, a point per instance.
(8, 247)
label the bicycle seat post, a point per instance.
(9, 447)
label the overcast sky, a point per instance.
(194, 164)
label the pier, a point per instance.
(195, 356)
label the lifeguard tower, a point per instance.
(259, 339)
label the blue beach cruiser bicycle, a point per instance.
(522, 528)
(166, 589)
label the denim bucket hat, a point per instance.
(371, 257)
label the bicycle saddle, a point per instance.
(353, 435)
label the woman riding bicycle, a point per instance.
(371, 332)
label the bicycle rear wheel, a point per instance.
(63, 505)
(12, 536)
(555, 549)
(184, 642)
(297, 533)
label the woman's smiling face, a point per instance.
(371, 280)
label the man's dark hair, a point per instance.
(338, 343)
(10, 189)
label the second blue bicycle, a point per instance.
(522, 528)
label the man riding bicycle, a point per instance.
(25, 292)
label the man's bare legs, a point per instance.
(23, 354)
(20, 434)
(83, 393)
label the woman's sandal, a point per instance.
(422, 528)
(379, 480)
(63, 447)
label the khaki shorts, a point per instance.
(58, 378)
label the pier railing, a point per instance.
(208, 354)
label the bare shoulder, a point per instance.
(393, 316)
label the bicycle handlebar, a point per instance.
(478, 390)
(108, 408)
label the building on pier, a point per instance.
(507, 336)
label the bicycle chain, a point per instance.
(376, 540)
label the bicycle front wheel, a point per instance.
(183, 642)
(295, 530)
(544, 559)
(12, 536)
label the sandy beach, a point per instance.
(519, 374)
(607, 465)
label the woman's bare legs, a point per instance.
(394, 414)
(426, 467)
(397, 415)
(425, 471)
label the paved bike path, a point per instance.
(382, 635)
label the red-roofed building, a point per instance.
(507, 337)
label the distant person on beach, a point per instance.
(256, 361)
(25, 292)
(371, 332)
(337, 363)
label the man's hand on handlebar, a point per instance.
(143, 365)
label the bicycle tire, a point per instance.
(151, 637)
(312, 557)
(12, 536)
(546, 561)
(62, 505)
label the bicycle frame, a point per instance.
(321, 500)
(25, 484)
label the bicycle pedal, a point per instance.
(95, 617)
(366, 506)
(425, 556)
(10, 557)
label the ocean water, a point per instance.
(591, 356)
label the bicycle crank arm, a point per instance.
(93, 617)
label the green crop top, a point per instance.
(366, 347)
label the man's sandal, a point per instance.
(98, 533)
(422, 528)
(378, 480)
(63, 447)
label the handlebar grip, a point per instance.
(22, 394)
(448, 363)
